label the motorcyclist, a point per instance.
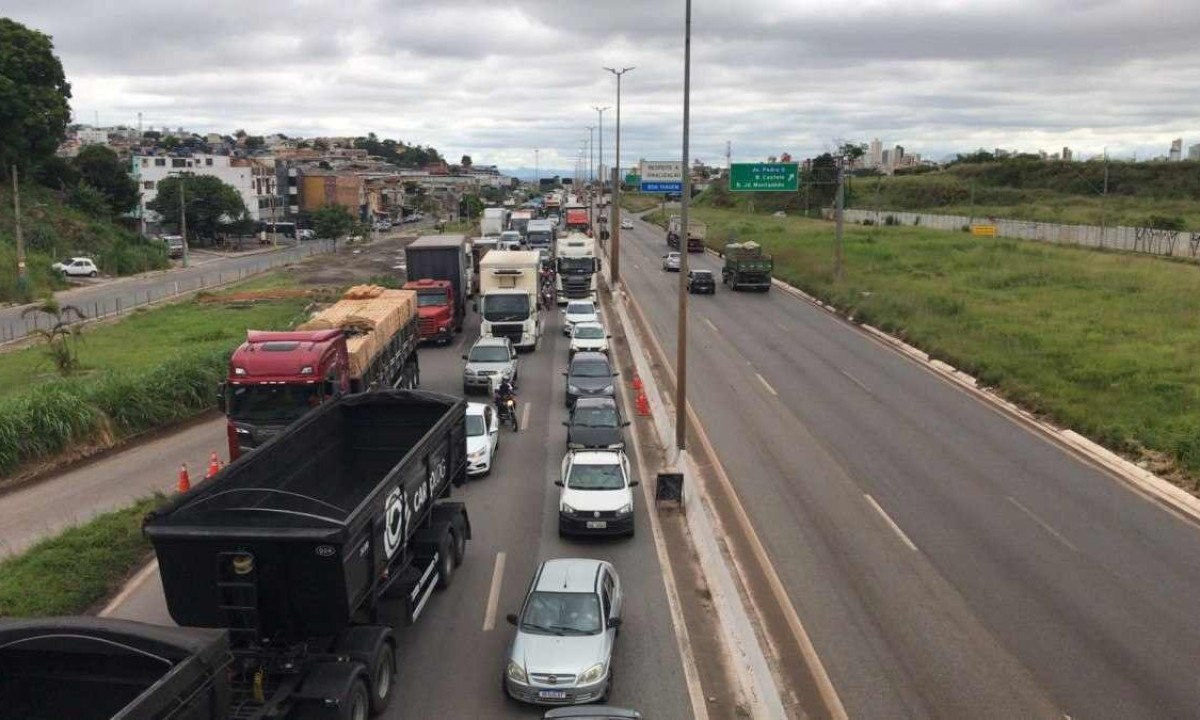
(505, 392)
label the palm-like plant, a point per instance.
(63, 336)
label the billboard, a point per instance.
(661, 176)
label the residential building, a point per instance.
(1067, 155)
(149, 170)
(1194, 152)
(874, 157)
(1176, 150)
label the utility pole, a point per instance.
(1104, 204)
(685, 200)
(600, 153)
(615, 252)
(838, 259)
(183, 221)
(591, 155)
(972, 220)
(22, 276)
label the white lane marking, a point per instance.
(132, 587)
(489, 614)
(766, 384)
(856, 381)
(525, 415)
(710, 324)
(1043, 523)
(892, 523)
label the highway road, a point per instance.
(946, 561)
(114, 296)
(451, 660)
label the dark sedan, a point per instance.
(701, 281)
(589, 374)
(595, 423)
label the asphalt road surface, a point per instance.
(946, 561)
(450, 666)
(109, 297)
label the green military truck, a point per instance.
(746, 266)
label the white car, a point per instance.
(483, 437)
(578, 311)
(626, 224)
(597, 493)
(76, 267)
(589, 336)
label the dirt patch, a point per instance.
(355, 264)
(252, 295)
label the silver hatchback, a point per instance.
(490, 357)
(562, 651)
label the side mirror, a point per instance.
(634, 483)
(511, 618)
(566, 424)
(608, 337)
(564, 374)
(558, 483)
(614, 623)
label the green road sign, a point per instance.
(764, 177)
(633, 179)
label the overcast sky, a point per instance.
(496, 79)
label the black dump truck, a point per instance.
(306, 550)
(102, 669)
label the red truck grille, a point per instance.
(428, 327)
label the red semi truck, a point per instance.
(577, 219)
(357, 344)
(438, 268)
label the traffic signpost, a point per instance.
(661, 176)
(764, 177)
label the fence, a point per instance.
(113, 299)
(1171, 243)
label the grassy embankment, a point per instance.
(72, 572)
(52, 230)
(1104, 343)
(154, 367)
(1071, 193)
(637, 202)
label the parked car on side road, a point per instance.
(626, 224)
(76, 267)
(561, 653)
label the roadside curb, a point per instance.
(1137, 478)
(756, 681)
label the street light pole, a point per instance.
(183, 221)
(22, 277)
(615, 252)
(685, 197)
(600, 155)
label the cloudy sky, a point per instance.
(496, 79)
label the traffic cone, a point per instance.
(185, 483)
(643, 404)
(214, 465)
(637, 383)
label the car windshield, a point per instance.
(589, 332)
(591, 370)
(581, 309)
(427, 298)
(475, 426)
(489, 354)
(702, 275)
(562, 613)
(596, 417)
(271, 404)
(499, 308)
(595, 477)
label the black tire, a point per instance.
(458, 539)
(383, 678)
(357, 703)
(445, 561)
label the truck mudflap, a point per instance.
(330, 684)
(413, 588)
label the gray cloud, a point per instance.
(496, 80)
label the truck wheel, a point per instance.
(445, 561)
(383, 676)
(458, 533)
(357, 703)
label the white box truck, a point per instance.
(494, 221)
(508, 302)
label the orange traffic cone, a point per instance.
(637, 383)
(643, 404)
(185, 483)
(214, 465)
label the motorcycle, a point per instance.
(507, 409)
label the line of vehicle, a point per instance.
(891, 523)
(489, 613)
(1044, 525)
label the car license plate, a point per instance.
(553, 694)
(597, 524)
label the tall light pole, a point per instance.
(183, 221)
(22, 276)
(537, 172)
(615, 216)
(684, 198)
(591, 146)
(600, 155)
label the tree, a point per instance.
(100, 167)
(213, 207)
(466, 161)
(255, 142)
(169, 143)
(332, 222)
(33, 97)
(63, 336)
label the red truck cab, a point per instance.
(276, 377)
(435, 308)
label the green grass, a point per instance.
(70, 573)
(1104, 343)
(147, 338)
(637, 202)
